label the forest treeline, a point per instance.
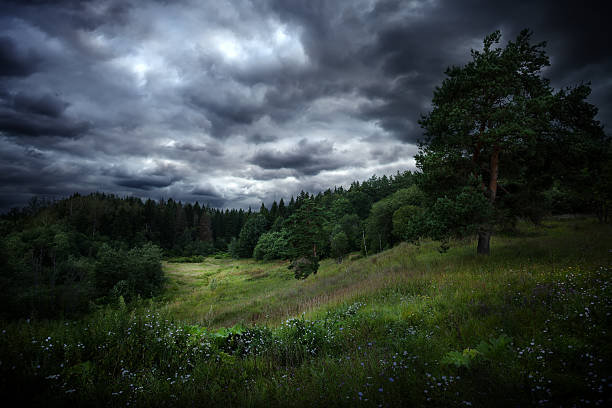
(59, 257)
(499, 145)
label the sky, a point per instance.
(231, 103)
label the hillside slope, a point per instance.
(529, 325)
(225, 292)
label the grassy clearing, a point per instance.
(225, 292)
(529, 325)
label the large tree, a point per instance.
(255, 225)
(308, 236)
(491, 136)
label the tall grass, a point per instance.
(529, 325)
(221, 293)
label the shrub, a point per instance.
(136, 272)
(250, 341)
(272, 245)
(187, 259)
(302, 267)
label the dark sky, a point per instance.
(235, 102)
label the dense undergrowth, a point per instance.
(528, 326)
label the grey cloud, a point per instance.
(29, 114)
(81, 14)
(306, 158)
(25, 172)
(151, 98)
(329, 29)
(224, 114)
(19, 124)
(46, 104)
(384, 154)
(209, 192)
(144, 183)
(258, 138)
(161, 175)
(210, 148)
(426, 46)
(15, 62)
(209, 195)
(261, 174)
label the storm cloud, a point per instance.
(15, 62)
(234, 103)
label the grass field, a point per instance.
(226, 292)
(529, 325)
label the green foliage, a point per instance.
(304, 266)
(254, 227)
(307, 231)
(43, 273)
(187, 259)
(242, 341)
(536, 309)
(460, 359)
(351, 225)
(361, 202)
(272, 245)
(136, 272)
(458, 216)
(497, 124)
(341, 207)
(232, 248)
(379, 225)
(339, 245)
(493, 349)
(304, 337)
(407, 222)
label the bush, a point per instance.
(302, 267)
(187, 259)
(136, 272)
(272, 245)
(245, 341)
(249, 235)
(222, 255)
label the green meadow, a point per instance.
(410, 326)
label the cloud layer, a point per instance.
(234, 103)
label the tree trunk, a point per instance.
(484, 235)
(494, 174)
(484, 241)
(365, 248)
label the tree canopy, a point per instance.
(494, 131)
